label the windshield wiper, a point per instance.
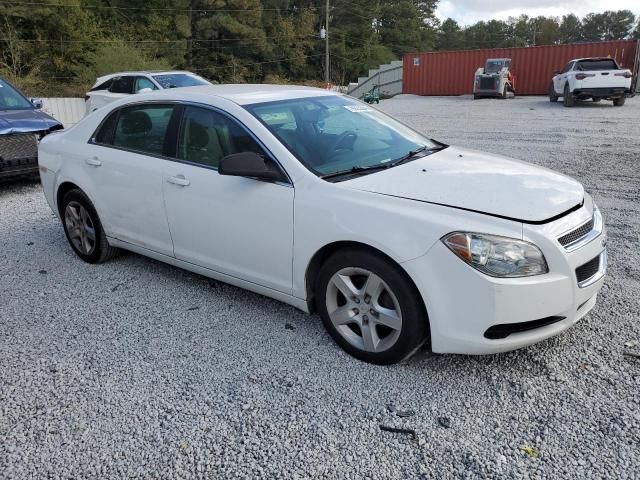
(356, 169)
(413, 153)
(383, 166)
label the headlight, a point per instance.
(497, 256)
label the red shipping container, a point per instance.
(452, 73)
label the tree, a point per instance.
(618, 25)
(636, 33)
(547, 30)
(450, 36)
(593, 26)
(570, 29)
(403, 26)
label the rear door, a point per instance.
(125, 161)
(234, 225)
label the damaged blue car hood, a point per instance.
(24, 121)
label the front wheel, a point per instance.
(83, 228)
(553, 98)
(370, 307)
(569, 100)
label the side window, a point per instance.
(567, 67)
(207, 136)
(122, 85)
(143, 82)
(143, 128)
(103, 86)
(104, 135)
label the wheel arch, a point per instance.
(64, 188)
(318, 259)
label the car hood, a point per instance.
(479, 182)
(24, 121)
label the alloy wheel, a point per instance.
(363, 309)
(80, 228)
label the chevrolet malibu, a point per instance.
(323, 202)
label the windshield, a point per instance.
(332, 134)
(176, 80)
(11, 99)
(493, 66)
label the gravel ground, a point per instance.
(137, 369)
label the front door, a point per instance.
(237, 226)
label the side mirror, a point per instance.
(249, 164)
(36, 102)
(145, 90)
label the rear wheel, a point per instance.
(370, 307)
(618, 102)
(83, 228)
(569, 99)
(553, 98)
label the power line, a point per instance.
(201, 40)
(163, 9)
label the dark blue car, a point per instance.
(22, 125)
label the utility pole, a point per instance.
(326, 43)
(190, 38)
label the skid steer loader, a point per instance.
(494, 79)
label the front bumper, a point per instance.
(465, 306)
(18, 154)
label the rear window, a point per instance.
(102, 86)
(177, 80)
(605, 64)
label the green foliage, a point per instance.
(52, 47)
(116, 56)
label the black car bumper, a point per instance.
(18, 154)
(602, 92)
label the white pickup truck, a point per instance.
(595, 78)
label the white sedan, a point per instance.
(323, 202)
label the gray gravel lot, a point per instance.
(135, 369)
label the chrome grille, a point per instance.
(588, 270)
(576, 234)
(18, 147)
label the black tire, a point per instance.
(553, 98)
(414, 331)
(618, 102)
(475, 96)
(101, 251)
(569, 99)
(596, 99)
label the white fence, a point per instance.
(67, 111)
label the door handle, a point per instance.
(179, 180)
(94, 162)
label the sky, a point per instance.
(467, 12)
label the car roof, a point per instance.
(591, 59)
(242, 94)
(106, 77)
(148, 72)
